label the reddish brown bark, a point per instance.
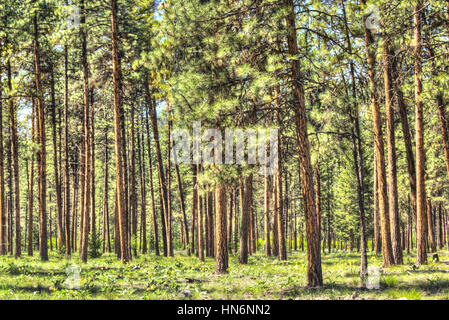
(3, 222)
(61, 234)
(430, 230)
(160, 166)
(15, 164)
(200, 229)
(123, 227)
(221, 247)
(267, 216)
(314, 273)
(66, 155)
(392, 168)
(42, 153)
(150, 174)
(86, 142)
(420, 154)
(194, 209)
(244, 228)
(387, 252)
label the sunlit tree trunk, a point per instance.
(118, 118)
(440, 226)
(244, 227)
(150, 173)
(267, 216)
(421, 236)
(357, 151)
(66, 155)
(199, 212)
(211, 222)
(75, 210)
(221, 247)
(143, 193)
(87, 138)
(430, 229)
(133, 192)
(42, 153)
(31, 184)
(392, 168)
(314, 273)
(194, 209)
(230, 219)
(277, 189)
(387, 252)
(93, 223)
(106, 236)
(184, 227)
(168, 215)
(160, 166)
(3, 222)
(61, 235)
(15, 164)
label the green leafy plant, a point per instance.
(94, 246)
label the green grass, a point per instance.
(183, 277)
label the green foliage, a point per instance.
(134, 243)
(94, 246)
(388, 281)
(151, 277)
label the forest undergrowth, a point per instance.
(149, 277)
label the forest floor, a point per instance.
(183, 277)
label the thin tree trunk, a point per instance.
(194, 209)
(133, 194)
(50, 225)
(61, 234)
(275, 237)
(211, 224)
(318, 196)
(230, 219)
(160, 165)
(447, 229)
(279, 205)
(66, 154)
(243, 254)
(387, 252)
(406, 135)
(168, 216)
(30, 184)
(118, 122)
(221, 261)
(10, 200)
(150, 173)
(236, 219)
(440, 226)
(15, 163)
(182, 205)
(199, 212)
(392, 168)
(87, 149)
(143, 197)
(377, 237)
(3, 222)
(75, 210)
(251, 214)
(421, 257)
(267, 216)
(430, 229)
(356, 138)
(42, 154)
(92, 162)
(106, 236)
